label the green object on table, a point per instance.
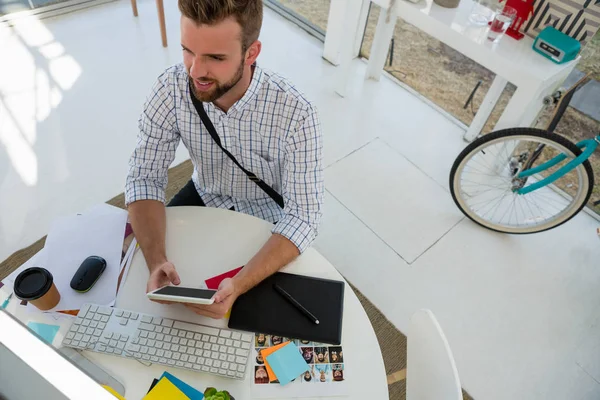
(212, 394)
(45, 331)
(556, 46)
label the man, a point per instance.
(260, 118)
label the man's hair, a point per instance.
(247, 13)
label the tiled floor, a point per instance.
(521, 313)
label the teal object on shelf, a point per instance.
(556, 46)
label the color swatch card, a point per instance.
(287, 363)
(165, 389)
(186, 389)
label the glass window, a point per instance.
(313, 12)
(447, 78)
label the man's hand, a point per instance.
(277, 252)
(224, 299)
(162, 275)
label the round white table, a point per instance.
(204, 242)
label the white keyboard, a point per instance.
(152, 339)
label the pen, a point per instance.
(299, 306)
(5, 304)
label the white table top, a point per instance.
(203, 242)
(513, 59)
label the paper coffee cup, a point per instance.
(36, 286)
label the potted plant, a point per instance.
(212, 394)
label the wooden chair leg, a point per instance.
(134, 7)
(161, 20)
(396, 376)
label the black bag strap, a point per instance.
(213, 133)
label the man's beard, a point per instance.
(219, 89)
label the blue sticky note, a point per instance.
(287, 363)
(45, 331)
(186, 389)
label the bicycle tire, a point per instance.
(473, 148)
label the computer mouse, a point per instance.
(88, 273)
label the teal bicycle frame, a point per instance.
(588, 146)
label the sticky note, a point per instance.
(188, 390)
(45, 331)
(287, 363)
(214, 282)
(269, 351)
(165, 389)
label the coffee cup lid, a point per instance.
(33, 283)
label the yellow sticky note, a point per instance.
(165, 389)
(265, 353)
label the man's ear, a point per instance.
(253, 52)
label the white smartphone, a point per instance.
(180, 294)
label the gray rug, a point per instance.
(391, 340)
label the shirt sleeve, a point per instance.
(157, 143)
(303, 184)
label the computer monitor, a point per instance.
(32, 369)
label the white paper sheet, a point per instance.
(126, 263)
(98, 231)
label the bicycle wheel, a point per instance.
(484, 178)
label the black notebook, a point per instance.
(264, 310)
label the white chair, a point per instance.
(430, 372)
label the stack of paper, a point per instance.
(284, 363)
(171, 388)
(99, 231)
(165, 389)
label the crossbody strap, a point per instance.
(213, 133)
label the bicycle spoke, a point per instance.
(523, 211)
(486, 166)
(499, 202)
(551, 198)
(551, 201)
(531, 200)
(488, 203)
(482, 184)
(484, 174)
(487, 200)
(537, 205)
(510, 210)
(528, 204)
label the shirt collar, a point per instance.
(251, 92)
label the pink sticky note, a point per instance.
(214, 282)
